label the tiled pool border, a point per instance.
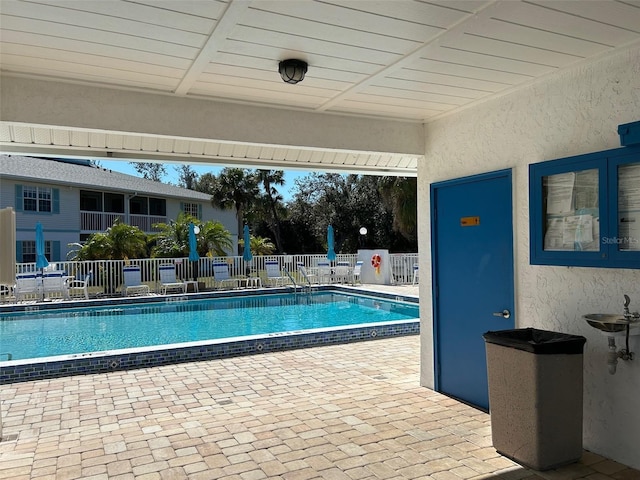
(20, 371)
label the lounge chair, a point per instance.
(81, 287)
(416, 275)
(355, 274)
(310, 278)
(27, 284)
(274, 275)
(342, 272)
(54, 283)
(324, 272)
(133, 282)
(222, 278)
(168, 281)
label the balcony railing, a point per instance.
(107, 274)
(100, 221)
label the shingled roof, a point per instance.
(82, 174)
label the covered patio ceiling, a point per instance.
(196, 81)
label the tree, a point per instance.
(118, 242)
(187, 177)
(272, 201)
(150, 171)
(400, 194)
(235, 188)
(260, 245)
(173, 239)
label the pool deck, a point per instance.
(353, 411)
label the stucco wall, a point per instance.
(570, 113)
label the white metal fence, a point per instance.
(107, 274)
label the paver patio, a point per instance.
(352, 411)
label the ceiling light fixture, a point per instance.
(292, 71)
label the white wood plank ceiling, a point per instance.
(409, 60)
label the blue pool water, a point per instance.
(75, 331)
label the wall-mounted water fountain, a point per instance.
(616, 325)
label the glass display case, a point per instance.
(585, 210)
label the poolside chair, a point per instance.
(168, 281)
(355, 274)
(324, 272)
(342, 272)
(415, 274)
(27, 284)
(274, 275)
(80, 287)
(133, 282)
(310, 278)
(222, 278)
(54, 283)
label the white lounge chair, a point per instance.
(55, 284)
(168, 281)
(355, 274)
(27, 284)
(310, 278)
(274, 275)
(222, 278)
(324, 272)
(342, 272)
(133, 282)
(416, 274)
(80, 287)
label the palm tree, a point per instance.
(234, 188)
(273, 200)
(173, 239)
(118, 242)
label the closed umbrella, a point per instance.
(193, 249)
(331, 253)
(246, 252)
(41, 260)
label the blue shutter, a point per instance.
(19, 251)
(55, 200)
(199, 211)
(55, 251)
(18, 205)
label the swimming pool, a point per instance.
(112, 336)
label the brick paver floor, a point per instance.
(347, 412)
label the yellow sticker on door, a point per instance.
(469, 221)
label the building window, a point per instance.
(158, 207)
(138, 206)
(36, 199)
(191, 209)
(113, 203)
(29, 251)
(90, 201)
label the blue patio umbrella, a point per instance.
(246, 252)
(193, 244)
(331, 253)
(41, 260)
(193, 251)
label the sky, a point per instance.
(172, 174)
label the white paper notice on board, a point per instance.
(560, 192)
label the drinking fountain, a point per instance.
(613, 325)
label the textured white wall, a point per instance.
(571, 113)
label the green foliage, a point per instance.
(260, 245)
(173, 239)
(150, 171)
(118, 242)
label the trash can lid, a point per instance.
(537, 341)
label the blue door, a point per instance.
(472, 243)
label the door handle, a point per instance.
(504, 314)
